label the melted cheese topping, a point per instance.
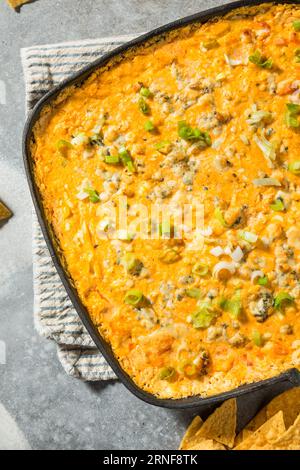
(204, 112)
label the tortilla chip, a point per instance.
(266, 435)
(17, 3)
(288, 402)
(290, 440)
(190, 433)
(206, 444)
(244, 434)
(221, 425)
(257, 421)
(5, 213)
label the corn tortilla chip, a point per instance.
(266, 435)
(5, 213)
(17, 3)
(290, 440)
(207, 444)
(244, 434)
(190, 433)
(258, 420)
(288, 402)
(221, 425)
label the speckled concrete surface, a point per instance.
(52, 410)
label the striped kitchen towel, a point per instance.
(54, 315)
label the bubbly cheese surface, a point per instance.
(209, 113)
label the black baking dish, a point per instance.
(290, 377)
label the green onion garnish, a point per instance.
(131, 263)
(188, 133)
(62, 145)
(204, 316)
(167, 373)
(134, 297)
(126, 159)
(297, 55)
(281, 299)
(248, 236)
(193, 293)
(294, 167)
(291, 115)
(219, 216)
(143, 106)
(200, 269)
(163, 147)
(145, 92)
(149, 126)
(112, 159)
(296, 25)
(278, 205)
(257, 338)
(233, 306)
(93, 195)
(263, 281)
(258, 59)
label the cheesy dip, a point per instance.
(208, 112)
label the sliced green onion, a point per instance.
(259, 116)
(167, 373)
(131, 263)
(93, 195)
(258, 59)
(248, 236)
(281, 299)
(296, 25)
(193, 293)
(200, 269)
(268, 148)
(297, 55)
(126, 159)
(188, 133)
(112, 159)
(204, 316)
(294, 167)
(257, 338)
(145, 92)
(149, 126)
(266, 182)
(291, 115)
(278, 205)
(134, 297)
(163, 147)
(143, 106)
(219, 216)
(233, 306)
(62, 145)
(263, 281)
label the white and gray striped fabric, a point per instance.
(54, 315)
